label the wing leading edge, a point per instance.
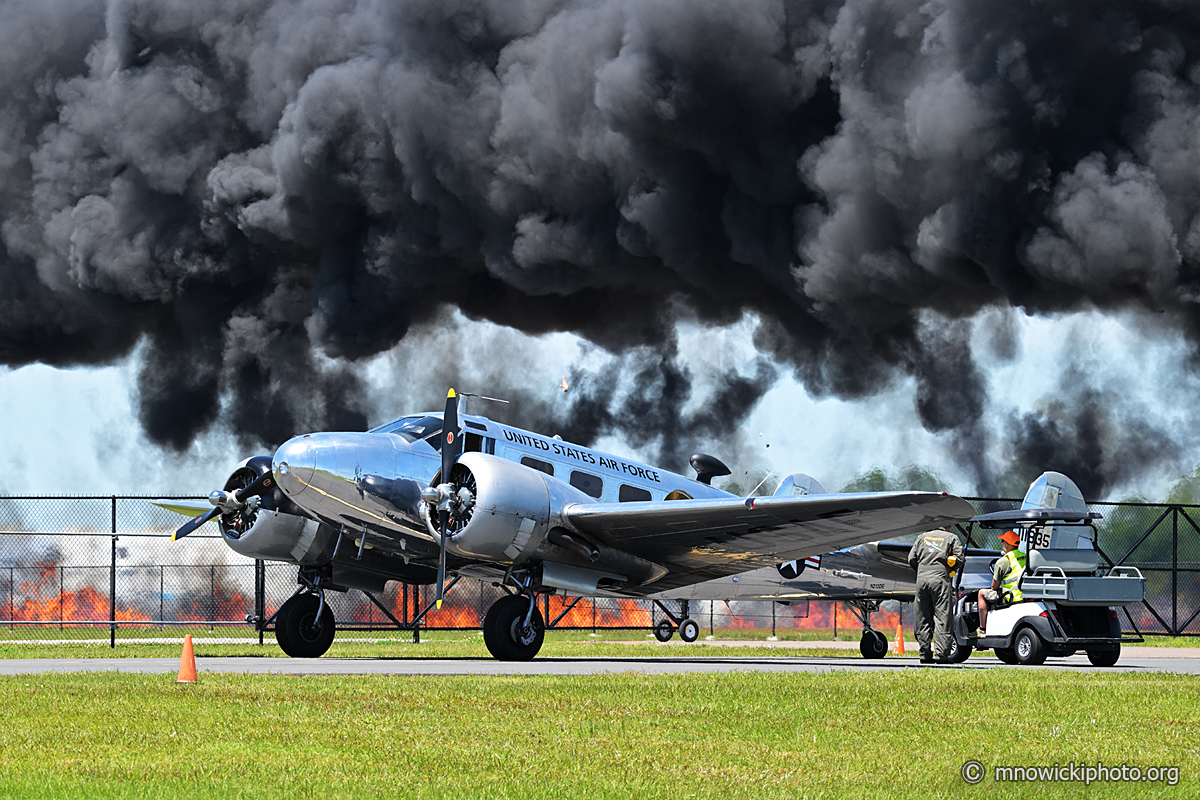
(698, 540)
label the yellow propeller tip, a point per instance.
(439, 605)
(450, 394)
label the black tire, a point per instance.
(689, 630)
(1029, 648)
(958, 653)
(1006, 655)
(510, 639)
(1104, 658)
(873, 644)
(664, 630)
(299, 632)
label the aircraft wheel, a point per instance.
(958, 653)
(511, 640)
(1028, 648)
(299, 632)
(1104, 658)
(1006, 655)
(873, 644)
(689, 630)
(664, 630)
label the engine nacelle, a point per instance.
(271, 526)
(514, 507)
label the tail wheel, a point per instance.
(664, 630)
(1029, 648)
(300, 632)
(873, 644)
(1104, 658)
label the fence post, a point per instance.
(112, 583)
(260, 595)
(112, 598)
(1175, 571)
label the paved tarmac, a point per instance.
(1147, 659)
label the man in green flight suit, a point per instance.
(1005, 577)
(934, 555)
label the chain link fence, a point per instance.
(104, 568)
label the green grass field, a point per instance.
(753, 735)
(434, 644)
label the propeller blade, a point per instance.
(441, 575)
(451, 449)
(191, 525)
(451, 442)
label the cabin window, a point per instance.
(540, 466)
(678, 494)
(632, 494)
(586, 483)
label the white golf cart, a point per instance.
(1068, 602)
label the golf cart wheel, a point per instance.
(1104, 658)
(958, 653)
(1006, 655)
(1029, 648)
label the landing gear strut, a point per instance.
(689, 629)
(873, 643)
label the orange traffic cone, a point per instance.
(899, 640)
(187, 663)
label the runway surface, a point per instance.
(1164, 660)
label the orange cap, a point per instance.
(1011, 537)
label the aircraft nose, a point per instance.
(294, 463)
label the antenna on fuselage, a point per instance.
(462, 407)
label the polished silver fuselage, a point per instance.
(364, 490)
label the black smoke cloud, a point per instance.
(264, 193)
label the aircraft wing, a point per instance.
(698, 540)
(189, 508)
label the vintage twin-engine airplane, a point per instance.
(422, 496)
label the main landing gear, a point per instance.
(513, 628)
(304, 625)
(689, 629)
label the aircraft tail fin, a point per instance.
(799, 484)
(1055, 490)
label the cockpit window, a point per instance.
(414, 429)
